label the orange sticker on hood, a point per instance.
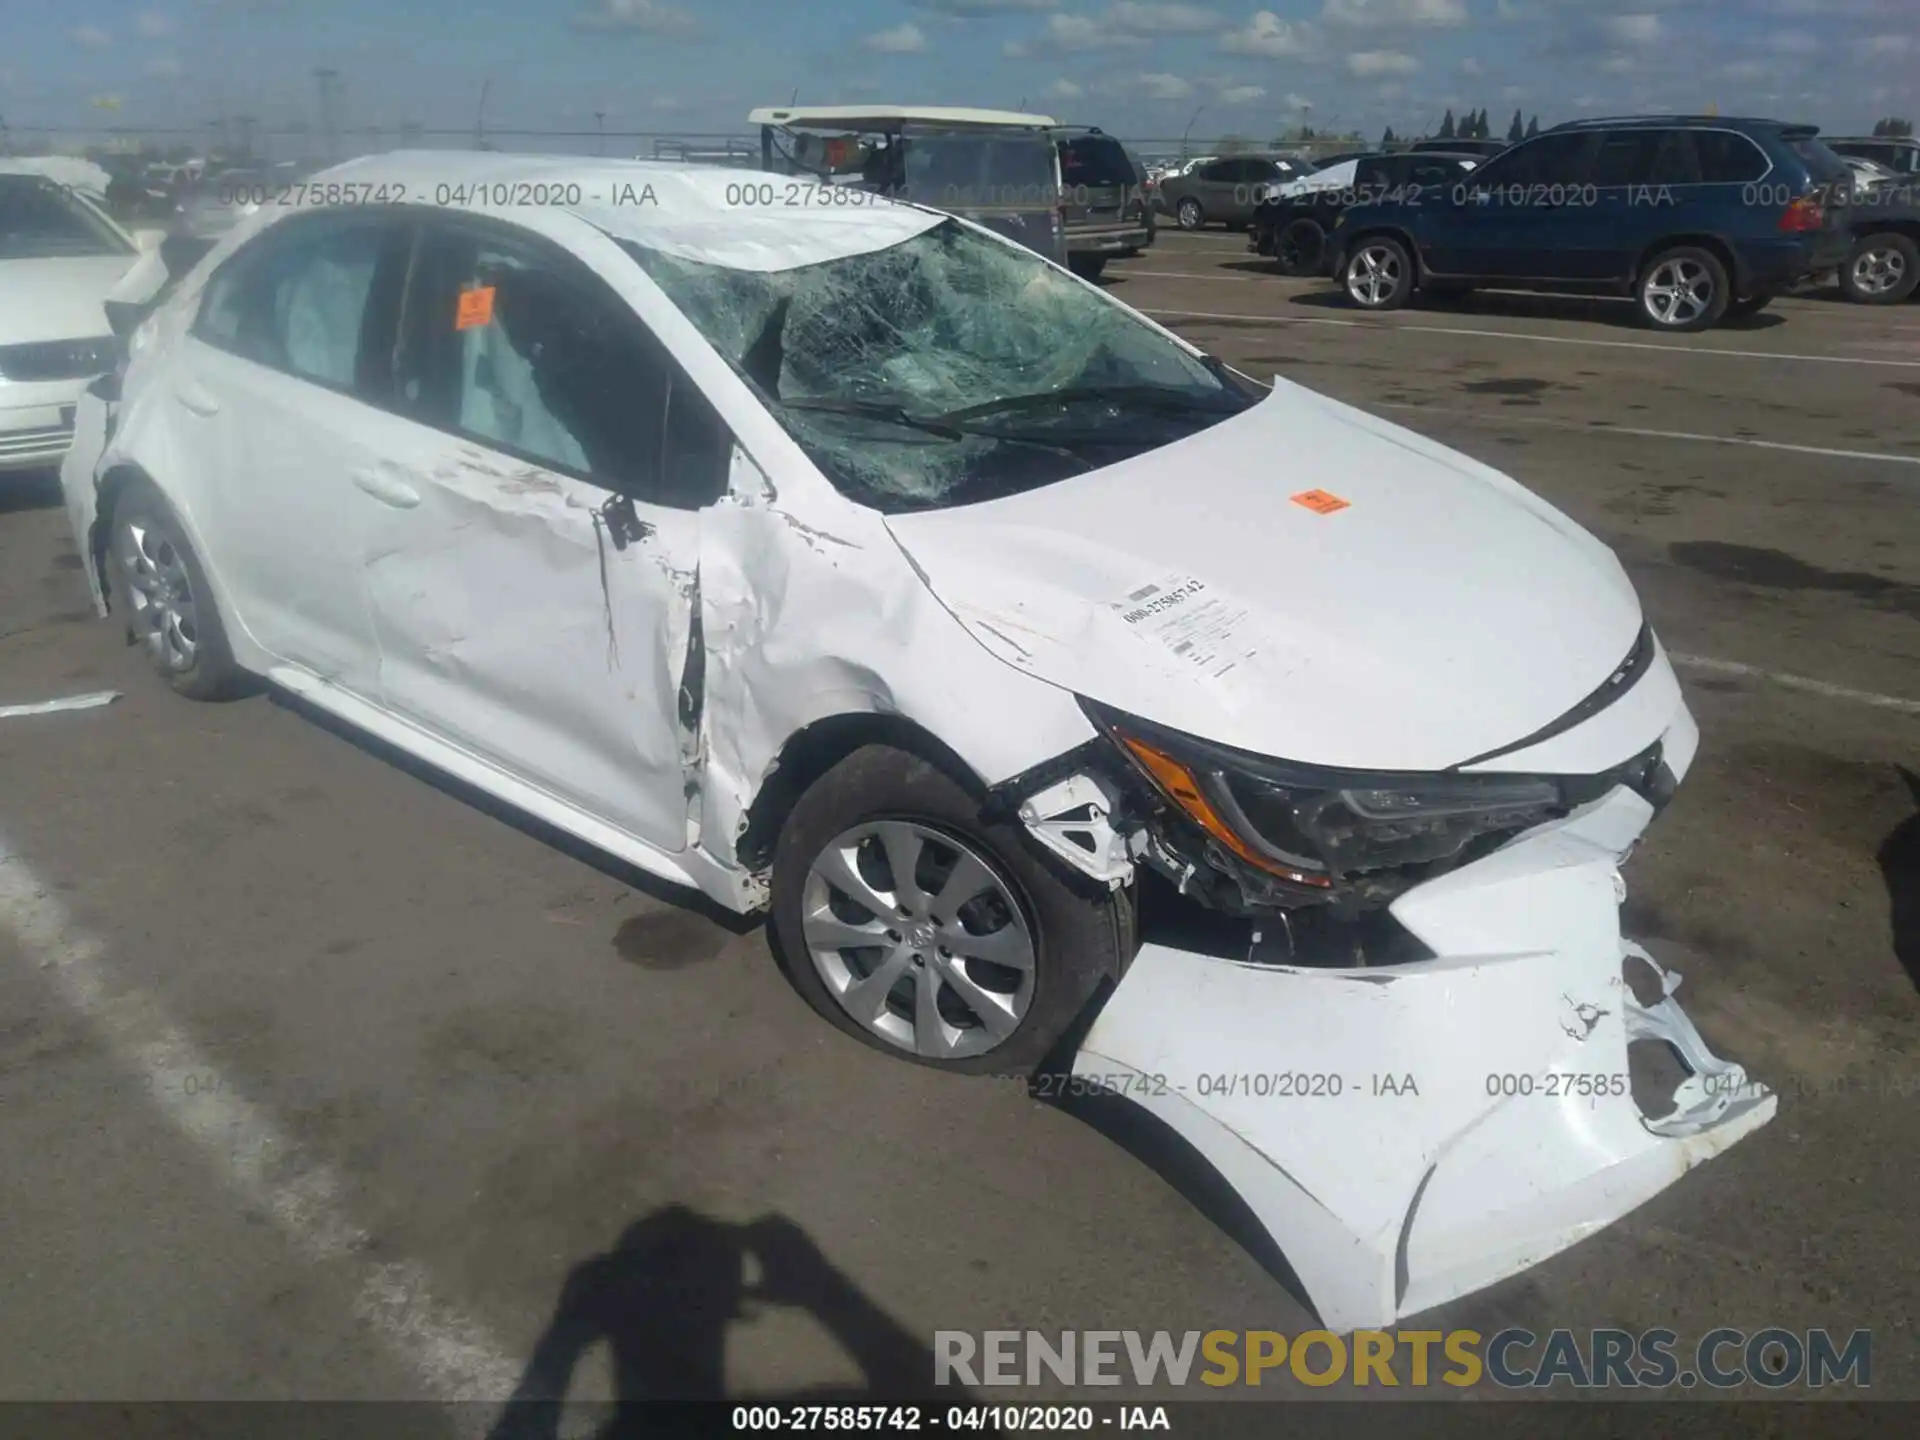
(476, 308)
(1321, 502)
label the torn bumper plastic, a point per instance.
(1410, 1134)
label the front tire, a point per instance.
(1190, 215)
(1881, 270)
(919, 926)
(162, 587)
(1378, 275)
(1682, 290)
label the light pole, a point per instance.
(600, 129)
(480, 116)
(1198, 112)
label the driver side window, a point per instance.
(514, 344)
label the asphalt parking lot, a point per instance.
(319, 1080)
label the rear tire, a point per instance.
(1683, 290)
(1881, 269)
(1378, 275)
(161, 588)
(834, 883)
(1190, 214)
(1301, 248)
(1087, 267)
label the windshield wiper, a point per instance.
(1148, 397)
(881, 410)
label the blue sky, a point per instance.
(1139, 69)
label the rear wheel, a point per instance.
(1379, 274)
(159, 582)
(1190, 215)
(1683, 289)
(1882, 270)
(917, 925)
(1301, 248)
(1087, 267)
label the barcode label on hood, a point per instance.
(1197, 625)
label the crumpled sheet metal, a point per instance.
(1523, 1137)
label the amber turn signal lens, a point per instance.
(1180, 786)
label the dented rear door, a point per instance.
(531, 551)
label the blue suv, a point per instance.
(1698, 218)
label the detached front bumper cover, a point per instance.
(1409, 1134)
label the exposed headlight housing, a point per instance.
(1354, 836)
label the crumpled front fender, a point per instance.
(1410, 1134)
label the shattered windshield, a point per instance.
(950, 368)
(39, 220)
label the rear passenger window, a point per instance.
(1626, 157)
(1549, 160)
(297, 299)
(1727, 158)
(525, 350)
(1675, 162)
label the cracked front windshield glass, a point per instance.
(949, 368)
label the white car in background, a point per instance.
(858, 565)
(60, 256)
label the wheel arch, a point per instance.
(816, 748)
(1715, 245)
(114, 484)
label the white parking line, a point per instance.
(452, 1355)
(1519, 335)
(1641, 432)
(1796, 682)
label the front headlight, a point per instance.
(1317, 827)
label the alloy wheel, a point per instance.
(1678, 291)
(1190, 215)
(919, 939)
(162, 608)
(1877, 271)
(1374, 275)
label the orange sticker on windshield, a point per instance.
(476, 308)
(1320, 501)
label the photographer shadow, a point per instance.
(662, 1299)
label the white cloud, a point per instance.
(1065, 89)
(901, 40)
(164, 67)
(1163, 19)
(1889, 44)
(1746, 70)
(667, 104)
(1296, 102)
(1470, 66)
(1065, 33)
(1793, 42)
(1365, 64)
(152, 24)
(1015, 50)
(1376, 14)
(1267, 34)
(1240, 94)
(1617, 65)
(1162, 86)
(90, 36)
(649, 17)
(1633, 29)
(1514, 92)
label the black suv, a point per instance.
(1103, 201)
(1293, 228)
(1698, 218)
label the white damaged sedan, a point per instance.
(850, 563)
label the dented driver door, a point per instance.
(531, 551)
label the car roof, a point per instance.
(883, 117)
(692, 211)
(1722, 122)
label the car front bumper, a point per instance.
(36, 422)
(1411, 1133)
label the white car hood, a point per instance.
(1443, 613)
(57, 299)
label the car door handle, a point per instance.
(198, 401)
(387, 489)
